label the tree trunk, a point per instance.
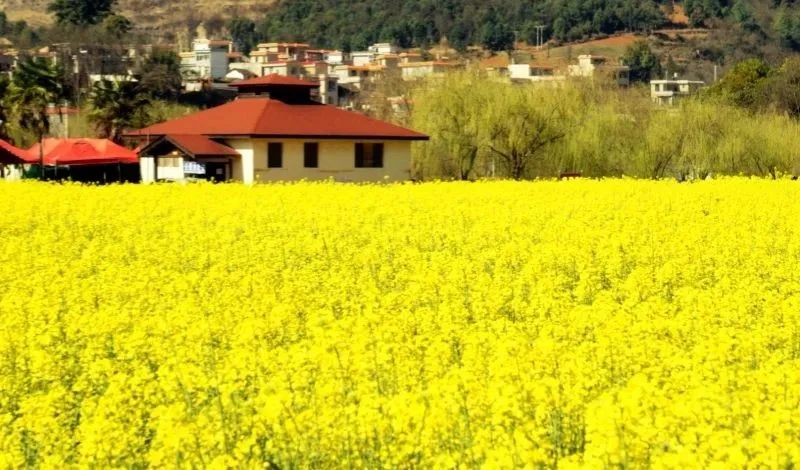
(41, 157)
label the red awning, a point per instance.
(10, 155)
(83, 152)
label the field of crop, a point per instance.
(498, 324)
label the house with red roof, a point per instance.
(275, 131)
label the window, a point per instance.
(275, 155)
(311, 155)
(369, 155)
(169, 162)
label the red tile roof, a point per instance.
(274, 79)
(263, 117)
(201, 146)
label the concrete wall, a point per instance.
(219, 63)
(242, 167)
(336, 160)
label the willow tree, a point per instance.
(525, 121)
(452, 110)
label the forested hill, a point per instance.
(767, 28)
(354, 24)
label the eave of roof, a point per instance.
(10, 154)
(267, 118)
(275, 80)
(194, 145)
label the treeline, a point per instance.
(354, 24)
(495, 24)
(756, 86)
(482, 128)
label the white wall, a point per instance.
(362, 58)
(174, 173)
(146, 169)
(243, 166)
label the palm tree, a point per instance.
(33, 89)
(4, 83)
(115, 106)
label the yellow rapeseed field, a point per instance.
(569, 324)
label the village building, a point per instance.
(355, 76)
(287, 68)
(533, 73)
(285, 50)
(207, 60)
(236, 74)
(382, 48)
(275, 131)
(361, 58)
(328, 56)
(669, 92)
(413, 70)
(594, 66)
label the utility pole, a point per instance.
(539, 36)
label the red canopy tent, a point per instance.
(83, 152)
(10, 155)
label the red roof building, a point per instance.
(11, 155)
(77, 152)
(274, 131)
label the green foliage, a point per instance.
(117, 26)
(643, 62)
(784, 88)
(115, 107)
(523, 123)
(744, 84)
(496, 35)
(754, 86)
(452, 112)
(160, 75)
(243, 33)
(533, 131)
(80, 12)
(35, 86)
(701, 11)
(786, 25)
(4, 85)
(354, 24)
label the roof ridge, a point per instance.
(267, 102)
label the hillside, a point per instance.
(149, 14)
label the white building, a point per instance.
(593, 66)
(668, 92)
(383, 48)
(208, 59)
(533, 73)
(413, 70)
